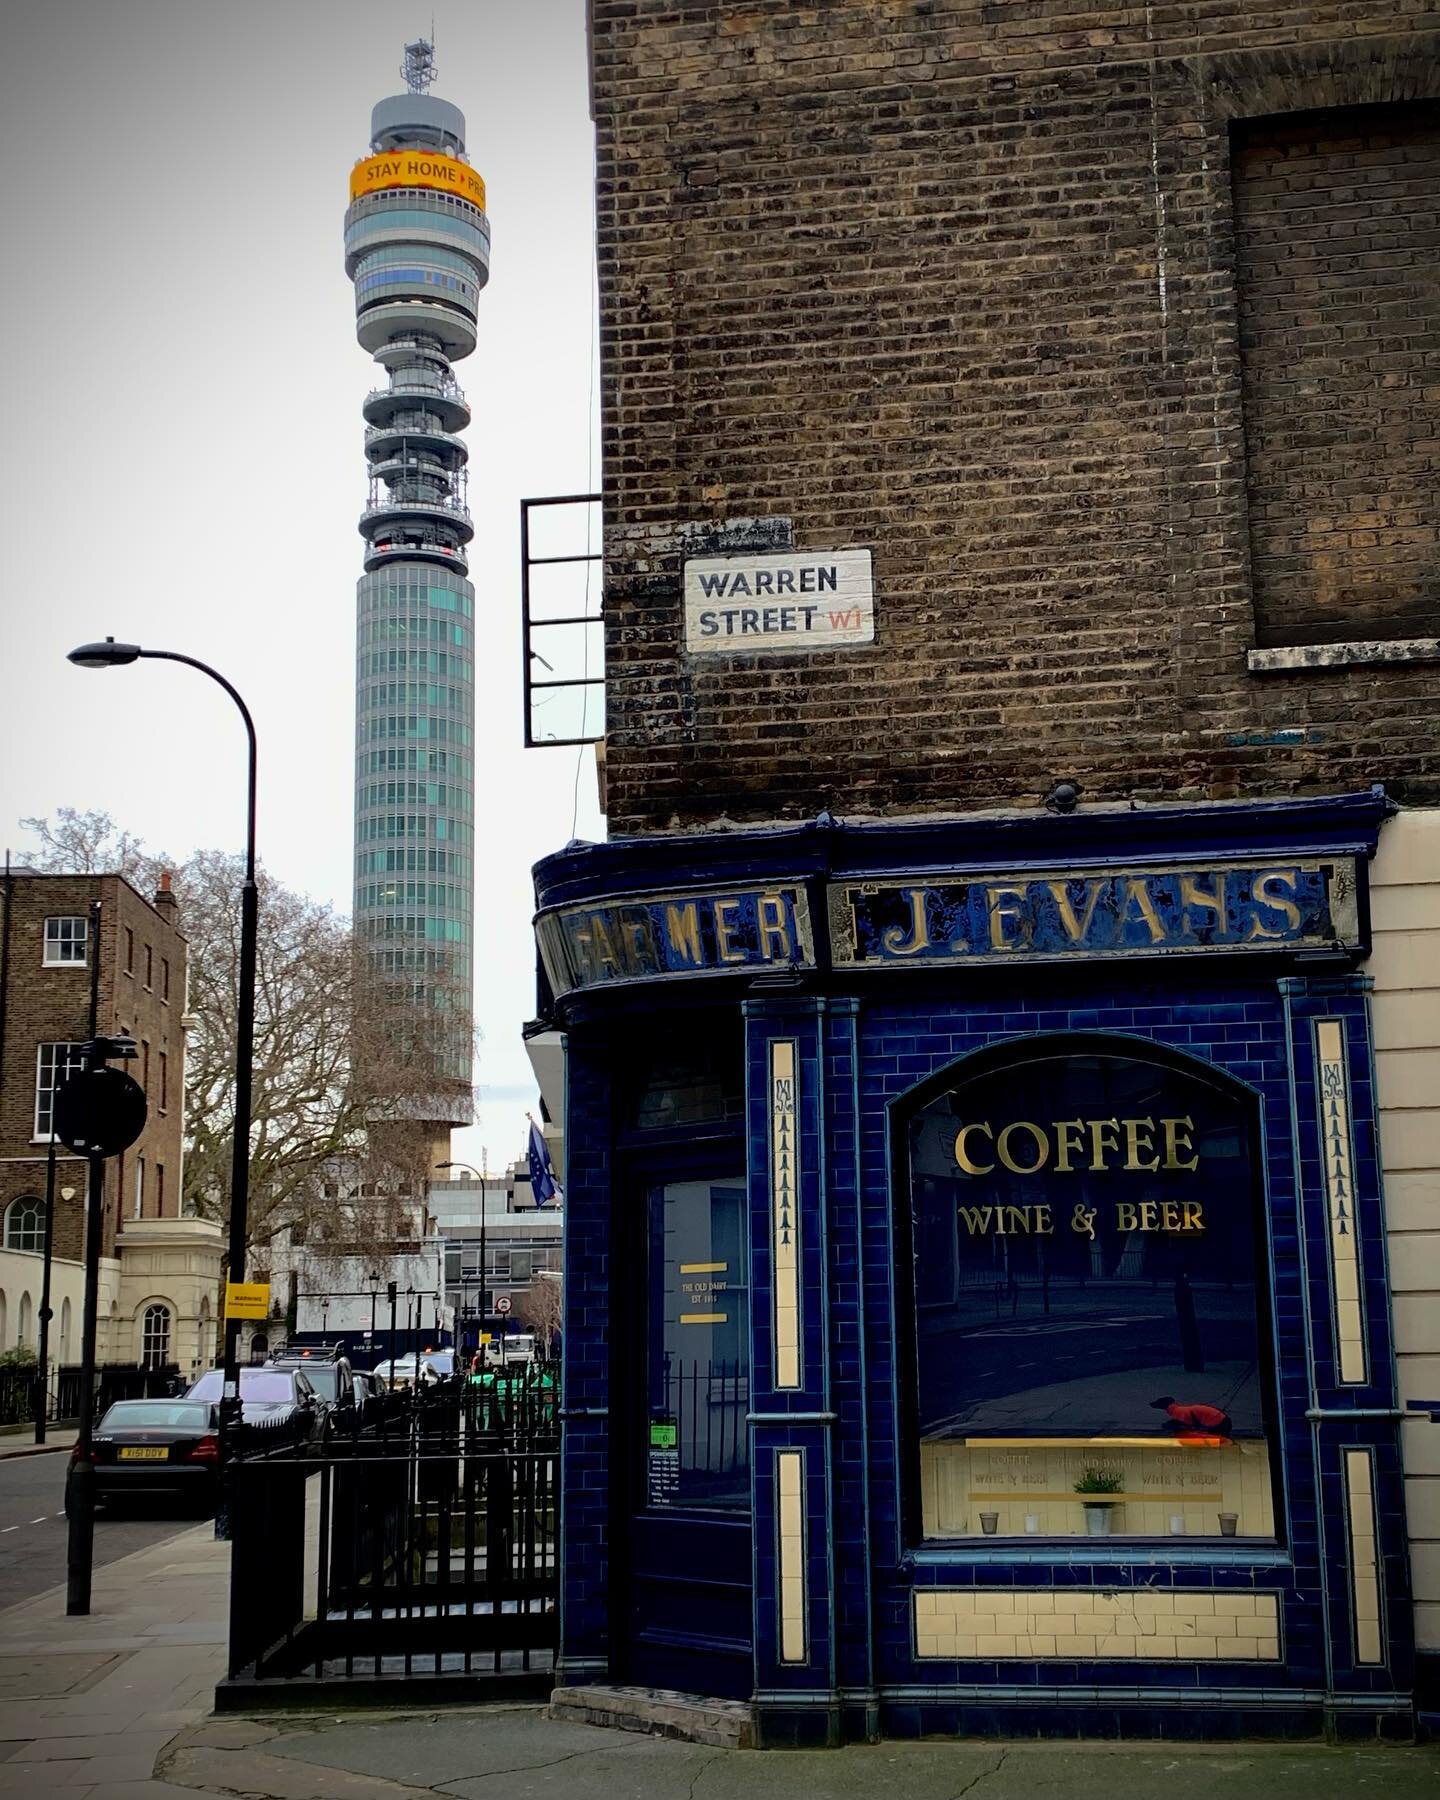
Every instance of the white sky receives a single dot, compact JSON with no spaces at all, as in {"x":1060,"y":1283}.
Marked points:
{"x":183,"y":464}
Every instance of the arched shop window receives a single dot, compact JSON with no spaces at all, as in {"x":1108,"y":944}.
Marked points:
{"x":1091,"y":1356}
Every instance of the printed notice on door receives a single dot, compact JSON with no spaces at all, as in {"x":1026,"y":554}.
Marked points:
{"x":796,"y":600}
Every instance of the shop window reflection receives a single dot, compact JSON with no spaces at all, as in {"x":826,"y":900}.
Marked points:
{"x":1091,"y":1358}
{"x":698,"y":1378}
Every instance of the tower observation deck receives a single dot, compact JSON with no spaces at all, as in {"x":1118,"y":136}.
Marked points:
{"x":417,"y":247}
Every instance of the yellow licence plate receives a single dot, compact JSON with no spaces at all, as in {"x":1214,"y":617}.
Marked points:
{"x":132,"y":1454}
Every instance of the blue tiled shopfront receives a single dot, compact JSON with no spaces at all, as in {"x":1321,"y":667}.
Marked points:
{"x":977,"y":1316}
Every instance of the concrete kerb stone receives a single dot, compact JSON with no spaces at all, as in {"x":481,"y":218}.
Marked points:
{"x":662,"y":1712}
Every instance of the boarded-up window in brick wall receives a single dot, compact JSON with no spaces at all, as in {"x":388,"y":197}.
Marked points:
{"x":1337,"y":220}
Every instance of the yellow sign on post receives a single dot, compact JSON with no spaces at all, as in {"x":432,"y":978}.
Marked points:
{"x":247,"y":1299}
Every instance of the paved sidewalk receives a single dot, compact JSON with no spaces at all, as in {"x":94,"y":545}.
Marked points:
{"x":22,"y":1443}
{"x":516,"y":1753}
{"x":87,"y":1704}
{"x":116,"y":1706}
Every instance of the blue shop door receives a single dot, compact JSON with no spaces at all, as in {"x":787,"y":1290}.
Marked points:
{"x":690,"y":1551}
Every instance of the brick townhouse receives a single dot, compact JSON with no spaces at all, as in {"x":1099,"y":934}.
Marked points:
{"x":1001,"y":1027}
{"x":159,"y":1270}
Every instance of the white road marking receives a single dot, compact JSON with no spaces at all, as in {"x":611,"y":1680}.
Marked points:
{"x":39,"y":1521}
{"x":11,"y":1527}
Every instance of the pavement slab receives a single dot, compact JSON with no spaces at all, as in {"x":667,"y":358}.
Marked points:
{"x":483,"y":1753}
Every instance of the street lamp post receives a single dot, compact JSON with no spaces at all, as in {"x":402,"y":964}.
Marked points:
{"x":480,"y":1327}
{"x":107,"y":655}
{"x":42,"y":1356}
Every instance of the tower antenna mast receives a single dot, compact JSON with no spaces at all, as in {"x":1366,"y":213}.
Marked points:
{"x":419,"y":66}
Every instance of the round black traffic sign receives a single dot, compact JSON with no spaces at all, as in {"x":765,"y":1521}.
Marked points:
{"x":100,"y":1112}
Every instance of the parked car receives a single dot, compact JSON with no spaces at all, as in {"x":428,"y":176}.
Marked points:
{"x":333,"y":1380}
{"x":442,"y":1361}
{"x":277,"y":1405}
{"x":369,"y":1395}
{"x":407,"y":1372}
{"x":157,"y":1447}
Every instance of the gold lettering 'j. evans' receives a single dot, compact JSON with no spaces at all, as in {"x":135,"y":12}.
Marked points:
{"x":917,"y":938}
{"x":1072,"y":1145}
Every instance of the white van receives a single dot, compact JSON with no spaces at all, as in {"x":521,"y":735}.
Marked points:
{"x":515,"y":1347}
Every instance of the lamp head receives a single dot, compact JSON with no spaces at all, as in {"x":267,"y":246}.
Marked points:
{"x":104,"y":655}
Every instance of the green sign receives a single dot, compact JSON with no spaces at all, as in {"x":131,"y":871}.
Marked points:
{"x":664,"y":1437}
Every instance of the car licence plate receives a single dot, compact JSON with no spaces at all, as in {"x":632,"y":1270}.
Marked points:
{"x":132,"y":1454}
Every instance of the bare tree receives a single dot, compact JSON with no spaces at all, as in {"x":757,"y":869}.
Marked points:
{"x":90,"y":843}
{"x":349,"y":1066}
{"x":541,"y":1307}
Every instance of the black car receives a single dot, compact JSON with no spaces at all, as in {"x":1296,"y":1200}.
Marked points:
{"x":334,"y":1381}
{"x":277,"y":1406}
{"x":157,"y":1446}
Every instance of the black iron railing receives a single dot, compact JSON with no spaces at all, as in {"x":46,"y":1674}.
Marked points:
{"x":426,"y":1546}
{"x":113,"y":1381}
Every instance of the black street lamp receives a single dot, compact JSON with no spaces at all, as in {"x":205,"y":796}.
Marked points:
{"x":108,"y":655}
{"x":470,"y":1169}
{"x":42,"y":1358}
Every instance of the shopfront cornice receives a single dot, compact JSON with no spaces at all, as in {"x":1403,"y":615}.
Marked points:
{"x":1278,"y":877}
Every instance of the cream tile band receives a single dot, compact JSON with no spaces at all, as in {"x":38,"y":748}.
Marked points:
{"x":1153,"y":1625}
{"x":790,"y":1513}
{"x":1364,"y":1556}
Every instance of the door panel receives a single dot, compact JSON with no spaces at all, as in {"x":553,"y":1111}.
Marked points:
{"x":690,"y":1549}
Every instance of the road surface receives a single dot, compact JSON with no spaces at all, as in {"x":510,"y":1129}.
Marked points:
{"x":33,"y":1529}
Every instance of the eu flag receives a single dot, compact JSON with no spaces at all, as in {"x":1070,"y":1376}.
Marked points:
{"x":542,"y":1176}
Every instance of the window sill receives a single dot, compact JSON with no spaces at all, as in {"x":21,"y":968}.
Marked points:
{"x":63,"y":963}
{"x":1065,"y":1552}
{"x":1286,"y":659}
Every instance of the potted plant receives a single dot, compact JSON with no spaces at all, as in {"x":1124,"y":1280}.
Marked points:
{"x":1094,"y":1482}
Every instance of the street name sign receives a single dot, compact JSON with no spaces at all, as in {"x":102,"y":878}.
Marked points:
{"x":803,"y":600}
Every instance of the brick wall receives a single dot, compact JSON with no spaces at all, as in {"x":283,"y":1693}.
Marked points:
{"x":957,"y":281}
{"x":1337,"y":226}
{"x":50,"y":1005}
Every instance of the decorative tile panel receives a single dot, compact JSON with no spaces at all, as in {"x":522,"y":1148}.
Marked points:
{"x":1364,"y":1559}
{"x":785,"y":1212}
{"x":790,"y":1518}
{"x":1340,"y":1199}
{"x":1096,"y":1624}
